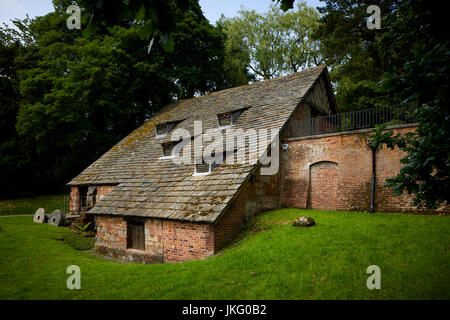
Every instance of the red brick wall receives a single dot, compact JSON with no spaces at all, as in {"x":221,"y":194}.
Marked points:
{"x":343,"y":181}
{"x":323,"y":183}
{"x":259,"y":194}
{"x":74,"y":205}
{"x":185,"y":241}
{"x":111,"y":232}
{"x":165,"y":240}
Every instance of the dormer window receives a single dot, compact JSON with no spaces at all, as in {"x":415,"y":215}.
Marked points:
{"x":205,"y":168}
{"x":225,"y":119}
{"x":163,"y":129}
{"x":168,"y":149}
{"x":228,"y":118}
{"x":202,"y":169}
{"x":236,"y":114}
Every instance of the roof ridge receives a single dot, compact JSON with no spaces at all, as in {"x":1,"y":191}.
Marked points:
{"x":322,"y":66}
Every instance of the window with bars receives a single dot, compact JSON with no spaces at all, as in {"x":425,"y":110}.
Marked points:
{"x":135,"y":235}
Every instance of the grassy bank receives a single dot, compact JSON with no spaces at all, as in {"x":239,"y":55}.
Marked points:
{"x":271,"y":260}
{"x":30,"y":205}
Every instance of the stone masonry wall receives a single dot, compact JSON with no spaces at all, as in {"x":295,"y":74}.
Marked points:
{"x":334,"y":172}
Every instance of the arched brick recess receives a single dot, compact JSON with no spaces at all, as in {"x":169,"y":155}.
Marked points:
{"x":323,"y":184}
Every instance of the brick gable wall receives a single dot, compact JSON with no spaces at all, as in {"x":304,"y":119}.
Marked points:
{"x":334,"y":172}
{"x":74,"y":204}
{"x":330,"y":172}
{"x":165,"y":240}
{"x":260,"y":193}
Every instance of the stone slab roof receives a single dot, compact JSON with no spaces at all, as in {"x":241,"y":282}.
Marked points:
{"x":148,"y":186}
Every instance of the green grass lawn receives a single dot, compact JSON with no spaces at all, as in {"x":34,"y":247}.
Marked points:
{"x":271,"y":260}
{"x":30,"y":205}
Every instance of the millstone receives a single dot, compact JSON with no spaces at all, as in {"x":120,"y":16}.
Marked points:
{"x":304,"y":222}
{"x":39,"y":216}
{"x":56,"y":218}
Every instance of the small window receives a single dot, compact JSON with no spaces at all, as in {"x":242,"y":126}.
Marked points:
{"x":236,"y":115}
{"x":202,"y":168}
{"x":167,"y":149}
{"x":225,"y":119}
{"x":161,"y":129}
{"x":164,"y":128}
{"x":205,"y":168}
{"x":228,"y":118}
{"x":135,"y":235}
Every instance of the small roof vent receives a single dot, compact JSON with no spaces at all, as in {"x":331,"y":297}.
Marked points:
{"x":202,"y":168}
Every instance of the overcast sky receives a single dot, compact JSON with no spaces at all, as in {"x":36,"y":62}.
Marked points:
{"x":10,"y":9}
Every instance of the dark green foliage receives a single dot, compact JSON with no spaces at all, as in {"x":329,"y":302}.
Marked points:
{"x":81,"y":92}
{"x":353,"y":51}
{"x":285,"y":5}
{"x":426,"y":170}
{"x":405,"y":61}
{"x":157,"y":18}
{"x":77,"y":241}
{"x":382,"y":137}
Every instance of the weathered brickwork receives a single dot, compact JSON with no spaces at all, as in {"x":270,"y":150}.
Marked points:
{"x":259,"y":194}
{"x":329,"y":172}
{"x":322,"y":185}
{"x":165,"y":240}
{"x":177,"y":241}
{"x":334,"y":172}
{"x":103,"y":191}
{"x":76,"y":198}
{"x":74,"y":205}
{"x":185,"y":241}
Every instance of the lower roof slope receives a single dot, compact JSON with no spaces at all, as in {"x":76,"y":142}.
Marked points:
{"x":151,"y":187}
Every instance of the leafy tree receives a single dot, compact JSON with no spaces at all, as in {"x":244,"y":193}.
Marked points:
{"x":404,"y":62}
{"x":353,"y":51}
{"x":417,"y":49}
{"x":274,"y":43}
{"x":156,"y":18}
{"x":426,"y":170}
{"x":76,"y":94}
